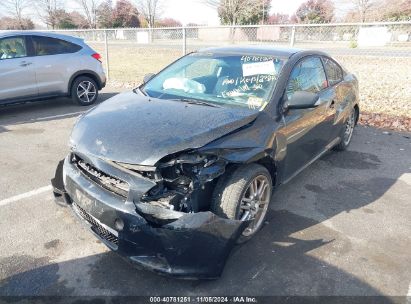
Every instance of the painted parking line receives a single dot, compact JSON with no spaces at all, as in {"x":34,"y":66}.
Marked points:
{"x":57,"y":116}
{"x":25,"y":195}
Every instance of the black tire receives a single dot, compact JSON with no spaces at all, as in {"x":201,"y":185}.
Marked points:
{"x":345,"y":142}
{"x":77,"y":88}
{"x":230,"y":190}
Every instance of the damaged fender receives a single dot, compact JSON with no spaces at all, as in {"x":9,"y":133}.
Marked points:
{"x":186,"y":245}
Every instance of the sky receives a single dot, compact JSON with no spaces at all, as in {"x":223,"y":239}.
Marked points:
{"x":195,"y":11}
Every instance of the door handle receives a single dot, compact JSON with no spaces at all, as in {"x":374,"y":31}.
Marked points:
{"x":332,"y":104}
{"x":25,"y":63}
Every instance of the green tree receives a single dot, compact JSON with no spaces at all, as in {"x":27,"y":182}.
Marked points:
{"x":62,"y":20}
{"x":66,"y":23}
{"x":70,"y":20}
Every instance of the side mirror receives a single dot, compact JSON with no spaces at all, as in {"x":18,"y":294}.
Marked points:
{"x":148,"y":77}
{"x":302,"y":100}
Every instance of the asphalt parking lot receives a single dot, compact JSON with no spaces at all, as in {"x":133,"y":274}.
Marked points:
{"x":341,"y":227}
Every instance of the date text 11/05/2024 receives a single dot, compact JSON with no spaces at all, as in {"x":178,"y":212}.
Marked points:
{"x":204,"y":299}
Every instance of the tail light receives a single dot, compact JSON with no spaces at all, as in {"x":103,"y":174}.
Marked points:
{"x":96,"y":56}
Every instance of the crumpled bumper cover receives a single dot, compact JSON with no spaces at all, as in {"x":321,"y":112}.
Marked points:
{"x":194,"y":246}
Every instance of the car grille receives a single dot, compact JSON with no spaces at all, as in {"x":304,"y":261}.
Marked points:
{"x":111,"y":183}
{"x":96,"y":226}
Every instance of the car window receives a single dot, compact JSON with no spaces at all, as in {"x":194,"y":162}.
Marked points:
{"x":308,"y":75}
{"x":201,"y":68}
{"x":13,"y":47}
{"x":52,"y":46}
{"x":334,"y":72}
{"x":224,"y":79}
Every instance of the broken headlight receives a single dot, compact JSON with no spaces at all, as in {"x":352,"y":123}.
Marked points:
{"x":180,"y":176}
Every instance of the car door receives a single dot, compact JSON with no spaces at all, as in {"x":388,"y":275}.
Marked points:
{"x":339,"y":90}
{"x":17,"y":77}
{"x":53,"y":63}
{"x":306,"y":130}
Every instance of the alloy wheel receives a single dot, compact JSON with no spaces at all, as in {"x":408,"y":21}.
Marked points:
{"x":86,"y":91}
{"x":254,"y":203}
{"x":349,"y":128}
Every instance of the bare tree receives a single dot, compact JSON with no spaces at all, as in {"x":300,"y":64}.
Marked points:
{"x":125,"y":14}
{"x":235,"y":12}
{"x":361,"y":9}
{"x":396,"y":10}
{"x":89,"y":8}
{"x":105,"y":14}
{"x":278,"y":18}
{"x":315,"y":11}
{"x":150,"y":10}
{"x":15,"y":9}
{"x":8,"y":23}
{"x":48,"y":11}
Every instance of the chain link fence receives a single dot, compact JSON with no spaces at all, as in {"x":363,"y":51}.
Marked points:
{"x":378,"y":53}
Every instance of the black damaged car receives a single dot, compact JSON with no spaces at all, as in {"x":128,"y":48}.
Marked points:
{"x":173,"y":174}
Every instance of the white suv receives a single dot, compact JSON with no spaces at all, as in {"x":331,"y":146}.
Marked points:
{"x":37,"y":65}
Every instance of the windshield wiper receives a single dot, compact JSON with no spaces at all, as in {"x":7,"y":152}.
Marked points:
{"x":139,"y":90}
{"x":197,"y":102}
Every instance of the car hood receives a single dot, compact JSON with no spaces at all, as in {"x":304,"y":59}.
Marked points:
{"x":136,"y":129}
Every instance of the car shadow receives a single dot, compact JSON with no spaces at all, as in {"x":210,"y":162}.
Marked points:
{"x":44,"y":110}
{"x":258,"y":268}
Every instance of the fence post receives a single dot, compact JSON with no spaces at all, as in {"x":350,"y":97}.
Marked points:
{"x":292,"y":38}
{"x":184,"y":41}
{"x":106,"y":55}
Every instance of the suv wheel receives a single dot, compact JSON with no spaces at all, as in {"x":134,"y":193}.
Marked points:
{"x":347,"y":131}
{"x":84,"y":91}
{"x":244,"y":195}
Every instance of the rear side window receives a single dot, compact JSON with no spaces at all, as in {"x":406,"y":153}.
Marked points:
{"x":12,"y":47}
{"x":333,"y":70}
{"x":308,"y":75}
{"x":52,"y":46}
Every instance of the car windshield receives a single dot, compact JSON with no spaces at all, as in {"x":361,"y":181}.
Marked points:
{"x":218,"y":79}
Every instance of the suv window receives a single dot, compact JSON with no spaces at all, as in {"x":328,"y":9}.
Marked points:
{"x":12,"y":47}
{"x":52,"y":46}
{"x":308,"y":75}
{"x":333,"y":70}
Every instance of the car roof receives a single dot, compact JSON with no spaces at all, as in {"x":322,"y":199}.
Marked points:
{"x":38,"y":33}
{"x":270,"y":50}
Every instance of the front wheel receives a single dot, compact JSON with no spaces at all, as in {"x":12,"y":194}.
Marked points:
{"x":84,"y":91}
{"x":348,"y":131}
{"x":244,"y":195}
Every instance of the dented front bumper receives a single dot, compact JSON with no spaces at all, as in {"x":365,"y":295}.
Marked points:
{"x":196,"y":245}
